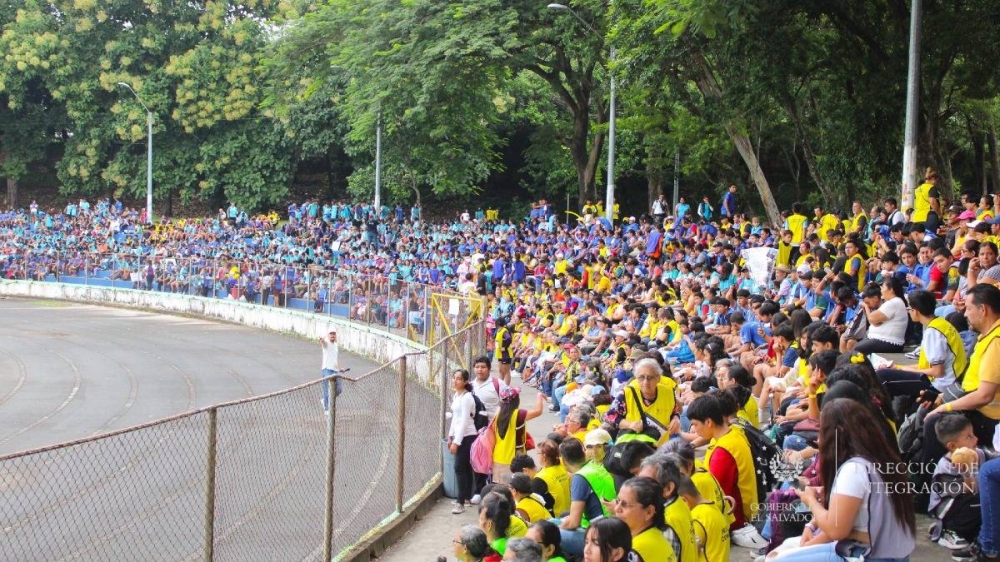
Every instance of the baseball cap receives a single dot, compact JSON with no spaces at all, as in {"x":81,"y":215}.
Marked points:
{"x":597,"y":437}
{"x":967,"y":216}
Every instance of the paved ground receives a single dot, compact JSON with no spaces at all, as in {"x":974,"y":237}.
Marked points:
{"x":70,"y":371}
{"x":432,"y":536}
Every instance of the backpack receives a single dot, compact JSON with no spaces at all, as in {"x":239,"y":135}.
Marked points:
{"x":479,"y":418}
{"x":911,"y":435}
{"x":481,"y":454}
{"x":765,"y":454}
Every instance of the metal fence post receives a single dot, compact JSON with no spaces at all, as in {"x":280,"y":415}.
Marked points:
{"x":331,"y":465}
{"x":401,"y":431}
{"x":445,"y":372}
{"x":428,"y":319}
{"x":210,"y":486}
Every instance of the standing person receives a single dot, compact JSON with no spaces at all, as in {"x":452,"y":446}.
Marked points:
{"x":728,"y":206}
{"x":926,"y":202}
{"x":331,"y":366}
{"x":501,"y":349}
{"x":487,"y":388}
{"x":461,"y":435}
{"x":510,"y":429}
{"x":682,"y":209}
{"x":705,"y":210}
{"x":660,"y":209}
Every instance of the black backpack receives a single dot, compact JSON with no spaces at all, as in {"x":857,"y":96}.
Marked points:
{"x":766,"y":456}
{"x":479,"y":418}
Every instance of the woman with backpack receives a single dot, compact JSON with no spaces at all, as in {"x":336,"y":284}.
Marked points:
{"x":461,"y":435}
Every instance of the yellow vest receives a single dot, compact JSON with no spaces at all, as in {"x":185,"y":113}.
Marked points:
{"x":660,"y":410}
{"x":954,"y":344}
{"x":735,"y":442}
{"x":712,"y":531}
{"x":856,"y":223}
{"x":861,"y":269}
{"x":750,"y":413}
{"x":971,"y":380}
{"x":710,"y":490}
{"x":678,"y":516}
{"x":503,"y":451}
{"x":557,"y":479}
{"x":784,"y":253}
{"x":797,"y":224}
{"x":652,"y":546}
{"x":921,"y":202}
{"x":533,"y":509}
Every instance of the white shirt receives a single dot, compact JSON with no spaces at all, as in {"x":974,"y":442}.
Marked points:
{"x":893,"y":330}
{"x":852,"y":480}
{"x":936,"y":350}
{"x":331,"y":355}
{"x":488,"y":395}
{"x":463,"y":408}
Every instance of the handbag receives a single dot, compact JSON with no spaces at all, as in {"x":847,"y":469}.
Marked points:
{"x":648,"y":430}
{"x":481,"y":453}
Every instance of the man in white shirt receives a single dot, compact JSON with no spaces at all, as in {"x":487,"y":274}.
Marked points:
{"x":331,"y":366}
{"x":487,"y":388}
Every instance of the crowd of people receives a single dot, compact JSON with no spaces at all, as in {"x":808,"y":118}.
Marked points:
{"x":697,"y":405}
{"x":809,"y":415}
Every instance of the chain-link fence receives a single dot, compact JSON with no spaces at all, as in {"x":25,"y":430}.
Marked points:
{"x":266,"y":478}
{"x":409,"y":309}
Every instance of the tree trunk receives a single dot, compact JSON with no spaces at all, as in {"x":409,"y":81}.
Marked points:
{"x":13,"y":186}
{"x":807,"y":152}
{"x":584,"y":160}
{"x":168,"y":210}
{"x":991,"y":140}
{"x":654,"y":181}
{"x":709,"y":87}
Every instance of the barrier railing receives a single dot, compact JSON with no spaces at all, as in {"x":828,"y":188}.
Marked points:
{"x":264,"y":478}
{"x":385,"y":300}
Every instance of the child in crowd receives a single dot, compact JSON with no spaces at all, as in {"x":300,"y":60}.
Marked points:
{"x":954,"y":499}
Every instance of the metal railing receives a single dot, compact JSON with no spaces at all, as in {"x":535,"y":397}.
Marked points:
{"x":269,"y":477}
{"x":386,"y":301}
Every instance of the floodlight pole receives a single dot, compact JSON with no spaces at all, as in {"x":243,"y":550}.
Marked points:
{"x":149,"y":153}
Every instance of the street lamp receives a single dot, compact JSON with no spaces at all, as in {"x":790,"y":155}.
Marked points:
{"x":609,"y":202}
{"x":149,"y":153}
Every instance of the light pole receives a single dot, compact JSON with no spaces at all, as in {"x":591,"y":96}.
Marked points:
{"x":149,"y":153}
{"x":912,"y":109}
{"x":378,"y":167}
{"x":609,"y":199}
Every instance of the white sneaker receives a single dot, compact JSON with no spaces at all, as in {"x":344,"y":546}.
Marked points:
{"x":476,"y":499}
{"x":457,"y":509}
{"x":748,"y":537}
{"x":951,"y":541}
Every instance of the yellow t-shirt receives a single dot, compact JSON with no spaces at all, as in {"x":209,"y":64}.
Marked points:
{"x":652,"y":546}
{"x":557,"y":479}
{"x":518,"y":528}
{"x":711,"y":531}
{"x":797,"y":224}
{"x":749,"y":412}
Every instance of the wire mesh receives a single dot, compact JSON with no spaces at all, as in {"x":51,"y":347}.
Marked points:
{"x":144,"y":494}
{"x":271,"y":476}
{"x":136,"y":495}
{"x":422,"y":458}
{"x":367,"y":445}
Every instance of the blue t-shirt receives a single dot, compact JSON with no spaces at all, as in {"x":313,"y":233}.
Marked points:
{"x":790,"y":357}
{"x":750,"y":333}
{"x":580,"y":491}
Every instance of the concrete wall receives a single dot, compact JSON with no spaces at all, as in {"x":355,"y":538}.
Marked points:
{"x":378,"y":345}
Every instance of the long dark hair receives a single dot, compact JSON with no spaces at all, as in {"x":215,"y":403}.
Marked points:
{"x":550,"y":537}
{"x":465,"y":377}
{"x":507,"y":409}
{"x":612,"y":533}
{"x":847,"y":430}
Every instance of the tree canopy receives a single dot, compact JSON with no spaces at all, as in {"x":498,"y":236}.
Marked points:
{"x":255,"y":99}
